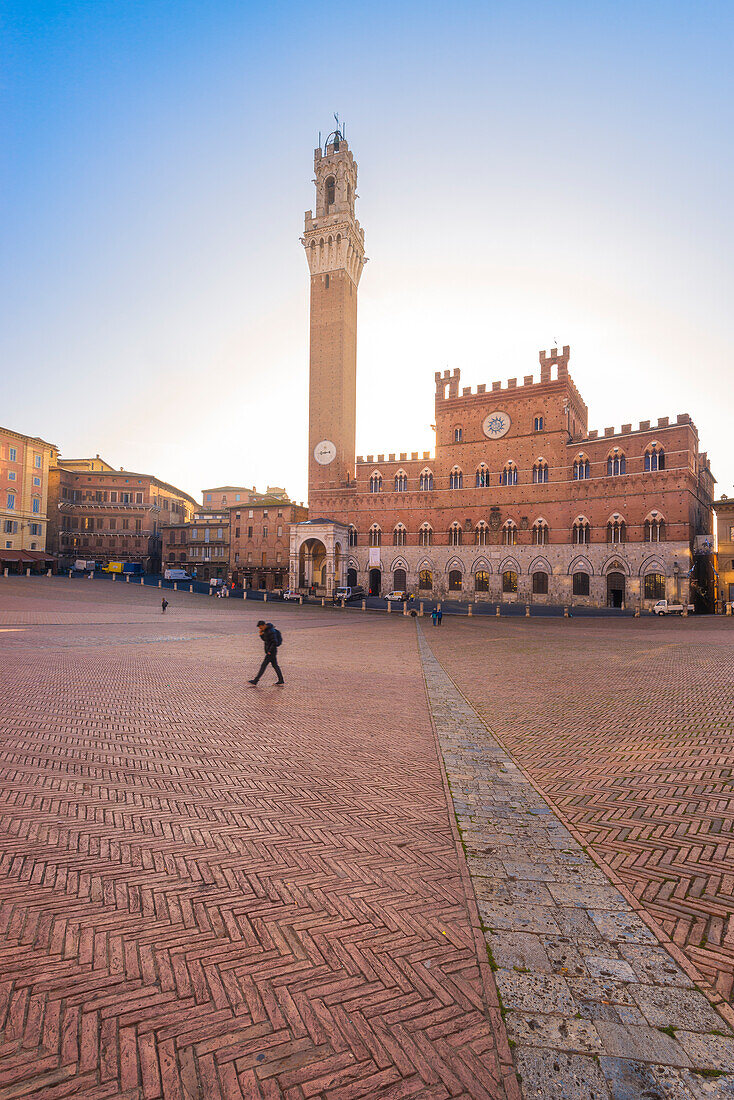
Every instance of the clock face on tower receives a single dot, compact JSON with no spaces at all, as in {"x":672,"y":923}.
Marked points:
{"x":496,"y":424}
{"x":324,"y":452}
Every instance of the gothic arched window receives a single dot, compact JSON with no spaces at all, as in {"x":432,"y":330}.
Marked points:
{"x":616,"y":531}
{"x":352,"y":535}
{"x":455,"y":534}
{"x":456,"y":479}
{"x":481,"y":533}
{"x":509,"y":533}
{"x":540,"y":533}
{"x":616,"y":464}
{"x":540,"y":472}
{"x":425,"y":534}
{"x":581,"y":532}
{"x":426,"y":481}
{"x":376,"y":483}
{"x":581,"y":469}
{"x":509,"y":474}
{"x":654,"y":458}
{"x":375,"y":535}
{"x":401,"y":481}
{"x":482,"y":477}
{"x":330,"y":191}
{"x":398,"y":535}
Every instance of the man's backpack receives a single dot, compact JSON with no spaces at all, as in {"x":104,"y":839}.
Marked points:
{"x":278,"y":636}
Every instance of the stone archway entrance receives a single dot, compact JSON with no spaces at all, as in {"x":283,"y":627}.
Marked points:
{"x":375,"y":581}
{"x":312,"y":564}
{"x":317,"y":559}
{"x":352,"y":578}
{"x":615,"y":589}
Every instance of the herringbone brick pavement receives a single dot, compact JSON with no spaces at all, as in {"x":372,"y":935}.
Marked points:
{"x":628,"y":727}
{"x":213,"y":891}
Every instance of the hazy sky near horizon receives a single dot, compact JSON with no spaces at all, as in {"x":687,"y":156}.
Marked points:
{"x":529,"y":173}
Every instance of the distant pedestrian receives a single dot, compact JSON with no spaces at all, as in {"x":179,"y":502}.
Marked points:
{"x":434,"y":616}
{"x":164,"y":605}
{"x":439,"y":615}
{"x":272,"y":638}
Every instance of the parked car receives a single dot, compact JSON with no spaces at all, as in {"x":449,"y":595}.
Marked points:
{"x":291,"y":594}
{"x":396,"y":597}
{"x":177,"y":575}
{"x":349,"y":592}
{"x":81,"y":566}
{"x":215,"y":582}
{"x":662,"y":607}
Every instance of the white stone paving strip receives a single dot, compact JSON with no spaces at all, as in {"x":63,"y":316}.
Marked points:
{"x":595,"y":1008}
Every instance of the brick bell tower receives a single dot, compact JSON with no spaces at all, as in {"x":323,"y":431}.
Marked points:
{"x":334,"y":244}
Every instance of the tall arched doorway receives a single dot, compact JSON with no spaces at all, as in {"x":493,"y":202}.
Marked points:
{"x":375,"y":582}
{"x":312,"y":564}
{"x":352,"y":578}
{"x":615,"y":589}
{"x":400,"y":580}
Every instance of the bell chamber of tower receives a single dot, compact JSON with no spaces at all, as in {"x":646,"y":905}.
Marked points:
{"x":334,"y":244}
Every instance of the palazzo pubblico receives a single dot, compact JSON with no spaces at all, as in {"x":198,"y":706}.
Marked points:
{"x":520,"y":501}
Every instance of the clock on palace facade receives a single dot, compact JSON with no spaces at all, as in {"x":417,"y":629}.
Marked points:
{"x":496,"y":424}
{"x":324,"y":452}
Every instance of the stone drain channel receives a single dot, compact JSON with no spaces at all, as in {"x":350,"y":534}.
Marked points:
{"x":595,"y":1008}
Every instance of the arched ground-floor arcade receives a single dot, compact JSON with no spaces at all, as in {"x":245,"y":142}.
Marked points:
{"x":598,"y":575}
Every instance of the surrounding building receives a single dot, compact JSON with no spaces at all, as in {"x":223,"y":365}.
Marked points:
{"x":225,"y":496}
{"x":725,"y":552}
{"x":25,"y":462}
{"x":260,"y":541}
{"x":97,"y":512}
{"x":201,"y":545}
{"x":520,"y":501}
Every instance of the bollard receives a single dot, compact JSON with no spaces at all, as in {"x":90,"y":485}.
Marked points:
{"x":127,"y":578}
{"x":497,"y":612}
{"x":389,"y":607}
{"x":300,"y":600}
{"x":265,"y":597}
{"x":48,"y":572}
{"x":685,"y":612}
{"x":90,"y":576}
{"x":637,"y":613}
{"x":565,"y":612}
{"x":114,"y":576}
{"x":27,"y":572}
{"x":343,"y":603}
{"x":364,"y":604}
{"x":191,"y":587}
{"x":244,"y":595}
{"x":142,"y":580}
{"x":323,"y":602}
{"x":160,"y":584}
{"x":470,"y":610}
{"x":175,"y":586}
{"x":6,"y":571}
{"x":420,"y":608}
{"x":527,"y":610}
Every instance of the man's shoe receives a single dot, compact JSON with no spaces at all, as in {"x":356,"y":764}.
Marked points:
{"x":253,"y":682}
{"x":279,"y":683}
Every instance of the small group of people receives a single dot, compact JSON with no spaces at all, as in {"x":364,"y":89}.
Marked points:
{"x":436,"y":616}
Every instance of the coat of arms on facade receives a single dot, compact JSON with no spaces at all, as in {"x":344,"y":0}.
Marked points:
{"x":494,"y":518}
{"x":524,"y":523}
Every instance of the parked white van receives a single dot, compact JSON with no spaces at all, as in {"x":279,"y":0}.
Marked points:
{"x":177,"y":575}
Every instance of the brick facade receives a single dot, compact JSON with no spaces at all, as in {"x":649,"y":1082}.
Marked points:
{"x":259,"y":543}
{"x":102,"y":514}
{"x":200,"y":546}
{"x":520,"y":501}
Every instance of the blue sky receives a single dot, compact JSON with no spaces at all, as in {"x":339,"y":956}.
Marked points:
{"x":529,"y":172}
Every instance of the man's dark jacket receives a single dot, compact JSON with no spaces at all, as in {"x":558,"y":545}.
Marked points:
{"x":268,"y":637}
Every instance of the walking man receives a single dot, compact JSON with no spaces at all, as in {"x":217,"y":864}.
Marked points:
{"x":439,"y":615}
{"x":164,"y":605}
{"x":272,"y":638}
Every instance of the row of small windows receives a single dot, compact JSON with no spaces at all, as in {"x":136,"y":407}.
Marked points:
{"x":616,"y":465}
{"x":616,"y":531}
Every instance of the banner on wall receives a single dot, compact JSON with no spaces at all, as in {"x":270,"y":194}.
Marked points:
{"x":374,"y":556}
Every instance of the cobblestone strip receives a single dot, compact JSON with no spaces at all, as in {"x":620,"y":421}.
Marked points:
{"x":595,"y":1008}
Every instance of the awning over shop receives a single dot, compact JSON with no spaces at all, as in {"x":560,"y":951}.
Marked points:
{"x":27,"y":557}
